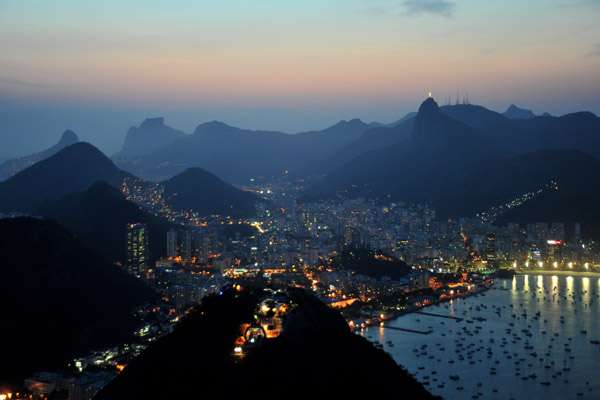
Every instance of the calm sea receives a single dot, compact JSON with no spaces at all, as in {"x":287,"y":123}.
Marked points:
{"x":526,"y":338}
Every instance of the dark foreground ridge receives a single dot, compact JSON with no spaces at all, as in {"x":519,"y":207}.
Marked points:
{"x":99,"y":217}
{"x":315,"y":356}
{"x":58,"y":299}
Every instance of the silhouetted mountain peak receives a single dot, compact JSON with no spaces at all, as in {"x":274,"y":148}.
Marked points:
{"x":514,"y":112}
{"x":195,"y":173}
{"x":429,"y":107}
{"x":11,"y":167}
{"x":104,"y":191}
{"x":355,"y":121}
{"x":153,"y":122}
{"x":213,"y":127}
{"x":68,"y":138}
{"x":214,"y":124}
{"x":72,"y":169}
{"x":152,"y":135}
{"x":199,"y":190}
{"x":83,"y":150}
{"x":430,"y":122}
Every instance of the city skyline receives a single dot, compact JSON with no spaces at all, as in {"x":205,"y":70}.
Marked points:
{"x":99,"y":69}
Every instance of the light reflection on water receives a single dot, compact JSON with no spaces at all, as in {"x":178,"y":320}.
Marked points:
{"x":554,"y":320}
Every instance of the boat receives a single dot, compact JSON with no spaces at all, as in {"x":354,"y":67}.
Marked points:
{"x":454,"y":377}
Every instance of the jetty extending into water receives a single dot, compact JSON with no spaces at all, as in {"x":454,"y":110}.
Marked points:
{"x":409,"y":330}
{"x":458,"y":319}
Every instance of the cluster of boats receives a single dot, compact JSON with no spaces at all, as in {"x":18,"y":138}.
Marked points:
{"x":531,"y":346}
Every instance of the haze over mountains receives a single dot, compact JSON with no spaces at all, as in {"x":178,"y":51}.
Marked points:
{"x":464,"y":170}
{"x":237,"y":155}
{"x":461,"y":158}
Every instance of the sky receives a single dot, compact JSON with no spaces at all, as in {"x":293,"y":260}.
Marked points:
{"x":99,"y":67}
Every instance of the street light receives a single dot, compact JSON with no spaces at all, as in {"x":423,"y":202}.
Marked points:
{"x":555,"y":264}
{"x":570,"y":265}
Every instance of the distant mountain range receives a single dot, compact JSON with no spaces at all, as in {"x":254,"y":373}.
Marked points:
{"x":465,"y":159}
{"x":455,"y":157}
{"x":58,"y":299}
{"x":11,"y":167}
{"x":238,"y":155}
{"x":410,"y":115}
{"x":157,"y":152}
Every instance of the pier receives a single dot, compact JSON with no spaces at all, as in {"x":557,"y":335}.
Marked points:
{"x":457,"y":319}
{"x":408,"y":330}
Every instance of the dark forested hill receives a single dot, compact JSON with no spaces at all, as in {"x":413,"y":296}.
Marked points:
{"x":11,"y":167}
{"x":58,"y":299}
{"x":316,"y":356}
{"x":199,"y":190}
{"x":73,"y":169}
{"x":99,"y":217}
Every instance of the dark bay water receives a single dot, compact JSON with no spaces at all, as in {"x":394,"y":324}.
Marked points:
{"x":526,"y":338}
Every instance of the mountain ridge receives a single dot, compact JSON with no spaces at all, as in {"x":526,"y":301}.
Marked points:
{"x":99,"y":216}
{"x":72,"y":169}
{"x":205,"y":193}
{"x":13,"y":166}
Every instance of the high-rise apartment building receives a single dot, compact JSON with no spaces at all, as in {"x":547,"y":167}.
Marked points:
{"x":172,"y":244}
{"x":137,"y":250}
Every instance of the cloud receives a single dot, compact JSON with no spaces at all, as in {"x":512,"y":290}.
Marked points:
{"x":434,"y":7}
{"x":596,"y":52}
